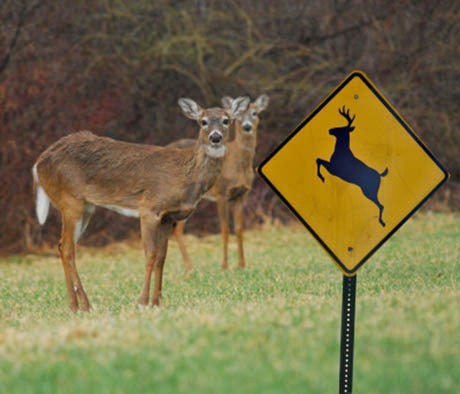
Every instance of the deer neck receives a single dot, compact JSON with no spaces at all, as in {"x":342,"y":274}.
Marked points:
{"x":246,"y":142}
{"x":343,"y":143}
{"x":205,"y":167}
{"x":240,"y":155}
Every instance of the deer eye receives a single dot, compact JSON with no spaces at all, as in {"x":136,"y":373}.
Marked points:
{"x":204,"y":122}
{"x":254,"y":113}
{"x":225,"y":121}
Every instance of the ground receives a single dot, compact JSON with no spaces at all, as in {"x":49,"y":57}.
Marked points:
{"x":272,"y":328}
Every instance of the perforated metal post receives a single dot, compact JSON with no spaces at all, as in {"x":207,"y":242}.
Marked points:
{"x":347,"y":334}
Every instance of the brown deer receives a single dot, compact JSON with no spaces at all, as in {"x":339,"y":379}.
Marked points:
{"x":160,"y":185}
{"x":235,"y":180}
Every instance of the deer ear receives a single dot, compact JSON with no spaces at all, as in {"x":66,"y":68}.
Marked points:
{"x":227,"y":102}
{"x":262,"y":102}
{"x":239,"y":105}
{"x":190,"y":109}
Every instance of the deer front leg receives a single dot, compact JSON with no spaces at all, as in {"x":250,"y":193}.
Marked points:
{"x":320,"y":162}
{"x":155,"y":234}
{"x":149,"y":223}
{"x":238,"y":219}
{"x":161,"y":246}
{"x":179,"y":235}
{"x":144,"y":297}
{"x":222,"y":208}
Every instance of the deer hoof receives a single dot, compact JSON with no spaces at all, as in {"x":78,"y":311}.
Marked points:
{"x":85,"y":308}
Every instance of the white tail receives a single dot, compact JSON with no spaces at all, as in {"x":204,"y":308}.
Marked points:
{"x":42,"y":202}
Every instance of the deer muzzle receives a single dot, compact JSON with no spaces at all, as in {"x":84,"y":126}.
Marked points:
{"x":215,"y":137}
{"x":247,"y":127}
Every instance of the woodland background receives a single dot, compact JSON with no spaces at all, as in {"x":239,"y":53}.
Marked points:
{"x":117,"y":67}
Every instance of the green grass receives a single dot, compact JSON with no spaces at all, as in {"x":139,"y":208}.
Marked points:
{"x":272,"y":328}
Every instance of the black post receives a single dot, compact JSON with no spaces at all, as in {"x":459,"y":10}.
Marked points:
{"x":347,"y":334}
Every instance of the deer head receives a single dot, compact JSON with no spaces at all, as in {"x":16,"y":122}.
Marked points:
{"x":337,"y":131}
{"x":214,"y":122}
{"x":248,"y":121}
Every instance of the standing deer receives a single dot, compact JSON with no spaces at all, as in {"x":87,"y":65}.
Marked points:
{"x":235,"y":180}
{"x":160,"y":185}
{"x":346,"y":166}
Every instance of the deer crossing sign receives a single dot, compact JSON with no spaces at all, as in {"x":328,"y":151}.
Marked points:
{"x":353,"y":172}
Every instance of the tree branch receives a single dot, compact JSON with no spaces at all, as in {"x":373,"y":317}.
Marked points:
{"x":21,"y":20}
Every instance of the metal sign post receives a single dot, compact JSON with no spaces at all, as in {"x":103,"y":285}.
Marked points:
{"x":347,"y":334}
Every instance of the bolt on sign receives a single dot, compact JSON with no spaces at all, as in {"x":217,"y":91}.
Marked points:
{"x":353,"y":172}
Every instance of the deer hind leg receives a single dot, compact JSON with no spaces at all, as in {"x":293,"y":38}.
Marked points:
{"x":179,"y":235}
{"x":66,"y":253}
{"x":380,"y":213}
{"x":371,"y":194}
{"x":222,"y":208}
{"x":380,"y":207}
{"x":71,"y":221}
{"x":238,"y":219}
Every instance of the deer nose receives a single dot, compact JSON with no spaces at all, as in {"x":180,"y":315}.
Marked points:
{"x":215,"y":137}
{"x":247,"y":127}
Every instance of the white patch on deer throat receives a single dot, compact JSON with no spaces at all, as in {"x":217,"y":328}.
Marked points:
{"x":216,"y":151}
{"x":122,"y":211}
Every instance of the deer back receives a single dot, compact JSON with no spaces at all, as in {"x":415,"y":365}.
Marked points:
{"x":104,"y":171}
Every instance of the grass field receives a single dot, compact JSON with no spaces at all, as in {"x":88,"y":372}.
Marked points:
{"x":272,"y":328}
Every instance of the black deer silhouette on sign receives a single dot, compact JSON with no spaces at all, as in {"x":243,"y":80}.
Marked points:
{"x":346,"y":166}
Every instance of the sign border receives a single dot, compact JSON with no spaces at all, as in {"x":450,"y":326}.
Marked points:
{"x":392,"y":110}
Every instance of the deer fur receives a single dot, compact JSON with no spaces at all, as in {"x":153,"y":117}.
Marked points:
{"x":160,"y":185}
{"x":235,"y":180}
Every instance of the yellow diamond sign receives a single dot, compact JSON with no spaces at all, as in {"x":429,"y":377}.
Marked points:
{"x":353,"y":172}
